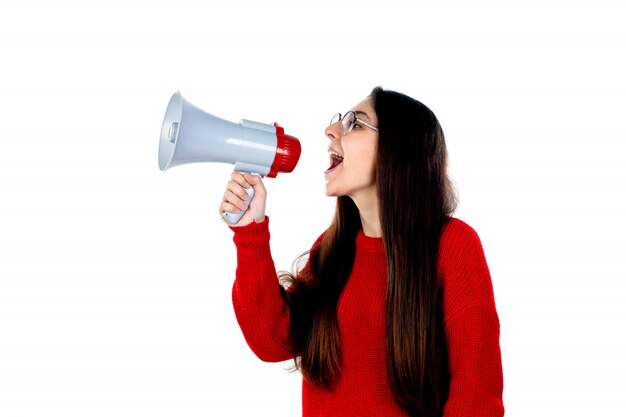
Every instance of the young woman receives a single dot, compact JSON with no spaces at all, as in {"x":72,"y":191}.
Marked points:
{"x":393,"y":313}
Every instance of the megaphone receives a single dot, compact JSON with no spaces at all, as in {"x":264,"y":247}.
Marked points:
{"x":189,"y":135}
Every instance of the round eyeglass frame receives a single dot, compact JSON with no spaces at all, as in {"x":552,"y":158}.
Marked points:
{"x":348,"y":120}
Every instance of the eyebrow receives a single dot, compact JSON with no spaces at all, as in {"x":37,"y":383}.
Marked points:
{"x":359,"y":112}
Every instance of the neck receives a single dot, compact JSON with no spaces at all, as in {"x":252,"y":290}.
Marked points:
{"x":368,"y":211}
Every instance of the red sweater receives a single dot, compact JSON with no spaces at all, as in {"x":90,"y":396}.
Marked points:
{"x":471,"y":324}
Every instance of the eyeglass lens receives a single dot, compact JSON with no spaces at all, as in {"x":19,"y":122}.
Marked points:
{"x":347,"y":121}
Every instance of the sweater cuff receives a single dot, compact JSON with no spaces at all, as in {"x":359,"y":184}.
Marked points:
{"x":251,"y":234}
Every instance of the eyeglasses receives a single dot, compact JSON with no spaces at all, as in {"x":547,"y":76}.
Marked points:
{"x":348,"y":120}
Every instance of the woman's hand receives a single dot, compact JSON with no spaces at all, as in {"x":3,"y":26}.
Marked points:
{"x":235,"y":197}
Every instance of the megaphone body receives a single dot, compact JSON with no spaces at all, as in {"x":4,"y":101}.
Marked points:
{"x":190,"y":135}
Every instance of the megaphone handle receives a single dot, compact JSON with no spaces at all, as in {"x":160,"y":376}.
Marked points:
{"x":233,"y":218}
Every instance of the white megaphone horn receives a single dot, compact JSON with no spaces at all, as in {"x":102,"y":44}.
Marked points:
{"x":189,"y":135}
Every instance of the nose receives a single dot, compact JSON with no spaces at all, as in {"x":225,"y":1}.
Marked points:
{"x":333,"y":132}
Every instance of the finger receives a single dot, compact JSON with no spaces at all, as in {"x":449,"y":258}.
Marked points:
{"x":251,"y":179}
{"x":239,"y":178}
{"x":255,"y":181}
{"x":237,"y":189}
{"x":226,"y":207}
{"x":236,"y":200}
{"x":260,"y":194}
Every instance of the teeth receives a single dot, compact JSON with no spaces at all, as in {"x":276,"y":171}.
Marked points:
{"x":336,"y":156}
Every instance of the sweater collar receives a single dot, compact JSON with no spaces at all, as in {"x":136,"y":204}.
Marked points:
{"x":369,"y":243}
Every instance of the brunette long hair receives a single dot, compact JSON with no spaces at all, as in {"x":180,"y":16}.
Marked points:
{"x":415,"y":199}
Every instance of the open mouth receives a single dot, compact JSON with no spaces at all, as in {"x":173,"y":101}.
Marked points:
{"x":335,"y":160}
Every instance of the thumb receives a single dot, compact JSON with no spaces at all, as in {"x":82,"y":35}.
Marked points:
{"x":256,"y":182}
{"x":252,"y":179}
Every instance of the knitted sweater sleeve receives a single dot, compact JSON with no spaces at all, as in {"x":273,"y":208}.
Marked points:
{"x":260,"y":308}
{"x":472,"y":326}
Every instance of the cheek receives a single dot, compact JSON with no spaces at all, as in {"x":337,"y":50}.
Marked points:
{"x":367,"y":159}
{"x":361,"y":158}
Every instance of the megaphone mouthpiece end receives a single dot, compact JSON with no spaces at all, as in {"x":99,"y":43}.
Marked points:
{"x":288,"y":152}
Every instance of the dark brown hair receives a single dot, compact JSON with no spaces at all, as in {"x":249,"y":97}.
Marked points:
{"x":411,"y":156}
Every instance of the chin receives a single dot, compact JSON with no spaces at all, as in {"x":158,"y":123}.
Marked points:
{"x":329,"y":189}
{"x":333,"y":191}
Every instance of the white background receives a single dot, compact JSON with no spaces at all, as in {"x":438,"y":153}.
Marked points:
{"x":115,"y":278}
